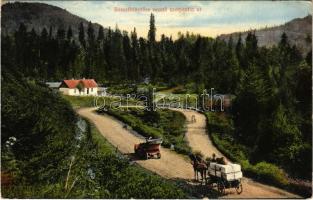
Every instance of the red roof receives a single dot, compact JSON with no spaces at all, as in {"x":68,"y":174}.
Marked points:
{"x":71,"y":83}
{"x":87,"y":83}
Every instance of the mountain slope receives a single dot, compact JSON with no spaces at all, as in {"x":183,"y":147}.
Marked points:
{"x":39,"y":16}
{"x":299,"y":32}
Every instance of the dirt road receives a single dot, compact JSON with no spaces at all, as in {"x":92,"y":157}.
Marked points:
{"x":173,"y":165}
{"x":197,"y":136}
{"x":198,"y":140}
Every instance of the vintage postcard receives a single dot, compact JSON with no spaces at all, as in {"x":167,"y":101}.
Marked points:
{"x":156,"y":99}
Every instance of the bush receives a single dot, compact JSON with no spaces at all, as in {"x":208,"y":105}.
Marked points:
{"x":269,"y":173}
{"x":136,"y":124}
{"x":121,"y":89}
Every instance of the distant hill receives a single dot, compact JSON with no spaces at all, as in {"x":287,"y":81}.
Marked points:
{"x":299,"y":32}
{"x":38,"y":16}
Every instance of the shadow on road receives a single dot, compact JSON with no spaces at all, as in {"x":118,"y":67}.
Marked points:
{"x":196,"y":189}
{"x":134,"y":157}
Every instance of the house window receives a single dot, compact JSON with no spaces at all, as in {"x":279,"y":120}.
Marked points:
{"x":91,"y":89}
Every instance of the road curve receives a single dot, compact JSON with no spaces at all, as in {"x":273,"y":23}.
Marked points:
{"x":173,"y":165}
{"x":199,"y":140}
{"x":197,"y":136}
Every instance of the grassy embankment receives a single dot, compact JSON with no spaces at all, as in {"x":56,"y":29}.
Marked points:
{"x":221,"y":132}
{"x":90,"y":101}
{"x":166,"y":124}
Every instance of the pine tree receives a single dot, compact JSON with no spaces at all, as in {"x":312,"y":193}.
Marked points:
{"x":116,"y":56}
{"x":61,"y":34}
{"x":135,"y":71}
{"x":91,"y":52}
{"x":152,"y":29}
{"x":21,"y":47}
{"x":239,"y":50}
{"x":251,"y":50}
{"x":69,"y":34}
{"x":90,"y":34}
{"x":308,"y":58}
{"x":81,"y":34}
{"x":43,"y":53}
{"x":128,"y":54}
{"x":8,"y":50}
{"x":50,"y":32}
{"x":145,"y":65}
{"x":252,"y":99}
{"x":44,"y":34}
{"x":100,"y":34}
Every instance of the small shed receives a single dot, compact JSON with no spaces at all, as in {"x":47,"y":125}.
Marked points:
{"x":54,"y":85}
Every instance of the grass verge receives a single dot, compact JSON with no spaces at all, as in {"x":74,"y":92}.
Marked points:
{"x":166,"y":124}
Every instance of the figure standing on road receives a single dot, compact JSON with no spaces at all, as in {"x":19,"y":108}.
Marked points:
{"x":213,"y":157}
{"x":193,"y":119}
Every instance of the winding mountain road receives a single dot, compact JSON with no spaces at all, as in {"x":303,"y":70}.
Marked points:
{"x":173,"y":165}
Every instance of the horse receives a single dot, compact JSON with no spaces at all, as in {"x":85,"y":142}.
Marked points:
{"x":199,"y":166}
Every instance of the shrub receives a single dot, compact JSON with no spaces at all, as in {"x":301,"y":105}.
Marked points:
{"x":269,"y":173}
{"x":166,"y":124}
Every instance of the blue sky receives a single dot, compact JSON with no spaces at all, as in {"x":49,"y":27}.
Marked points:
{"x":214,"y":18}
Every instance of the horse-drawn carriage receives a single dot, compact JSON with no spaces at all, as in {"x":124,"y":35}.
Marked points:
{"x":217,"y":173}
{"x":148,"y":149}
{"x":225,"y":176}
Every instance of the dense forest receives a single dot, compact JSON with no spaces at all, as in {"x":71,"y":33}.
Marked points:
{"x":272,"y":86}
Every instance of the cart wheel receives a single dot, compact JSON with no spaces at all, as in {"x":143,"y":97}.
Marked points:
{"x":159,"y":155}
{"x":239,"y":188}
{"x":221,"y":187}
{"x":209,"y":183}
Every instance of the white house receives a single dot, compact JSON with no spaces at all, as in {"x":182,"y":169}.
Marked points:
{"x":81,"y":87}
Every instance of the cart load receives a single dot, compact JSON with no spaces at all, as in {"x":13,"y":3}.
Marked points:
{"x":228,"y":172}
{"x":154,"y":141}
{"x":225,"y":176}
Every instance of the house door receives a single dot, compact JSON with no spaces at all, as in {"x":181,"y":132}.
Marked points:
{"x":87,"y":90}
